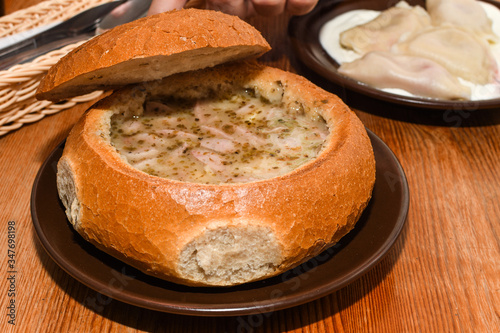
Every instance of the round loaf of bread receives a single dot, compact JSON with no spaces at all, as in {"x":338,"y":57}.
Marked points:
{"x":203,"y":230}
{"x":216,"y":234}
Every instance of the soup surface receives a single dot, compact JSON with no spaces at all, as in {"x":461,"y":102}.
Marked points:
{"x":237,"y":139}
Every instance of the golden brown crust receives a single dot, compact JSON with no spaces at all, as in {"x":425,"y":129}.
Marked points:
{"x":146,"y":221}
{"x":150,"y":49}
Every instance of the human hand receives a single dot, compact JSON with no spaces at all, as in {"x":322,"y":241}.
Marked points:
{"x":241,"y":8}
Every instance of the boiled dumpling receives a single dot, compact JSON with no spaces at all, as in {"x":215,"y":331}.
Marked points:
{"x":459,"y":51}
{"x":390,"y":27}
{"x":468,"y":14}
{"x":418,"y":76}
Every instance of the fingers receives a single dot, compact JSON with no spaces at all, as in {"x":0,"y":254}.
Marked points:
{"x":241,"y":8}
{"x":300,"y":7}
{"x":276,"y":7}
{"x":121,"y":9}
{"x":269,"y":7}
{"x":159,"y":6}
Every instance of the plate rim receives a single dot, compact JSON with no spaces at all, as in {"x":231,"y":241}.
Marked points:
{"x":300,"y":26}
{"x":245,"y":308}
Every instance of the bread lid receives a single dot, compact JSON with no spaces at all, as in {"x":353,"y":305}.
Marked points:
{"x":152,"y":48}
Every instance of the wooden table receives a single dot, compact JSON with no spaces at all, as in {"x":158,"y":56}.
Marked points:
{"x":442,"y":275}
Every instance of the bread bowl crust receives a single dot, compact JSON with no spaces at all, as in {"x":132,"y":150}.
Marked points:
{"x":152,"y":48}
{"x":146,"y":221}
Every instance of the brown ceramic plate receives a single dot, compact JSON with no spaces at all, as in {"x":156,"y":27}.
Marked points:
{"x":304,"y":34}
{"x":360,"y":250}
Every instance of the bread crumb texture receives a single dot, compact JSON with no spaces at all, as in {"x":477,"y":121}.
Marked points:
{"x":230,"y":255}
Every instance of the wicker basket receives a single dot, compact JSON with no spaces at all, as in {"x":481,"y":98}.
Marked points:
{"x":18,"y":84}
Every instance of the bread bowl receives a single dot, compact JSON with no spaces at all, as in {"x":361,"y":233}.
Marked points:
{"x":209,"y":231}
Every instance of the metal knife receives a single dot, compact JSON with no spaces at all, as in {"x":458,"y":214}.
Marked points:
{"x":80,"y":27}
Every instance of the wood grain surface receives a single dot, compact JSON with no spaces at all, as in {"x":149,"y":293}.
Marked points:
{"x":442,"y":275}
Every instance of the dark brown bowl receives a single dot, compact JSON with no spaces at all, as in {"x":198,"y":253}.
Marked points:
{"x":356,"y":253}
{"x":304,"y":34}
